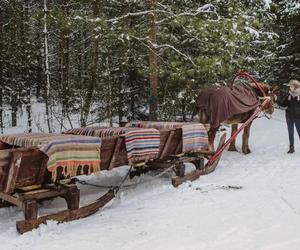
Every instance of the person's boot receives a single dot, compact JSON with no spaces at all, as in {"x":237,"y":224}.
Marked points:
{"x":291,"y":150}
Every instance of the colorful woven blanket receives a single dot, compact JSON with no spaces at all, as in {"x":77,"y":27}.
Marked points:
{"x":194,"y":135}
{"x":89,"y":131}
{"x":142,"y":144}
{"x":67,"y":151}
{"x":98,"y":131}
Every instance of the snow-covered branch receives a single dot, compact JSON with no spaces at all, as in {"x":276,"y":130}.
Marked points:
{"x":168,"y":46}
{"x":205,"y":9}
{"x":135,"y":14}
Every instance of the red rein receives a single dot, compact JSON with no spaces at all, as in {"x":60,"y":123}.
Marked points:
{"x":247,"y":75}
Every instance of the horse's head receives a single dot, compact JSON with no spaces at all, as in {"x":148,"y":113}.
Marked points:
{"x":269,"y":94}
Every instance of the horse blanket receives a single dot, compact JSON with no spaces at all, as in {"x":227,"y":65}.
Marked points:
{"x":142,"y":144}
{"x":67,"y":151}
{"x":221,"y":102}
{"x":194,"y":135}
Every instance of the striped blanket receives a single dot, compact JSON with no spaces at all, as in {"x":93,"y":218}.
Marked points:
{"x":67,"y":151}
{"x":89,"y":131}
{"x":194,"y":135}
{"x":142,"y":144}
{"x":97,"y":131}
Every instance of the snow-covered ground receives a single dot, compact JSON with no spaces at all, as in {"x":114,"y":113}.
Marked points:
{"x":206,"y":214}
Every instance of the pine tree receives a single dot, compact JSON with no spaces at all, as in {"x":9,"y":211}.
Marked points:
{"x":287,"y":65}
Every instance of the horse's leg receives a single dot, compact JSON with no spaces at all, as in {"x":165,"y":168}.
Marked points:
{"x":246,"y":135}
{"x":211,"y":138}
{"x":202,"y":116}
{"x":232,"y":147}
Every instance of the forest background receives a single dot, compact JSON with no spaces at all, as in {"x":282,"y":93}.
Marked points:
{"x":114,"y":61}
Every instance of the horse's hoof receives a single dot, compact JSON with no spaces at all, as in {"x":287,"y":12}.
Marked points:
{"x":246,"y":151}
{"x":233,"y":149}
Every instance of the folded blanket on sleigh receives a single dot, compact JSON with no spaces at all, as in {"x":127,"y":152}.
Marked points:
{"x":70,"y":153}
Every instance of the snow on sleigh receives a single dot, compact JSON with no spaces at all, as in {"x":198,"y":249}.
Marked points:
{"x":39,"y":166}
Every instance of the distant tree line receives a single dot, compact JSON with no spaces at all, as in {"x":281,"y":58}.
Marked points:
{"x":115,"y":60}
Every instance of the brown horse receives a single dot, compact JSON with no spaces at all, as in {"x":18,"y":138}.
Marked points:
{"x":232,"y":105}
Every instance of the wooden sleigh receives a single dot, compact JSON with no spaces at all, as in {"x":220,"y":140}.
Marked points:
{"x":25,"y":180}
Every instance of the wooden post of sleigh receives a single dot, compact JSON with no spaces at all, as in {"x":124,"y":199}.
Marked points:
{"x":25,"y":179}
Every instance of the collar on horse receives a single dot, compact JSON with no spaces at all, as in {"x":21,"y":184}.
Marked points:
{"x":262,"y":95}
{"x":247,"y":75}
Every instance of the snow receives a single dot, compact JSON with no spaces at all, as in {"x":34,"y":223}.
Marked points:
{"x":264,"y":213}
{"x":252,"y":31}
{"x":268,"y":3}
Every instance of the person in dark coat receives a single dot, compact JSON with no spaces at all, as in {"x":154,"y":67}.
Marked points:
{"x":292,"y":113}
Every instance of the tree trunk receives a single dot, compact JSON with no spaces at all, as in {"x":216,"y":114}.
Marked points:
{"x":183,"y":110}
{"x":47,"y":72}
{"x":110,"y":111}
{"x":84,"y":66}
{"x":1,"y":73}
{"x":14,"y":110}
{"x":120,"y":107}
{"x":25,"y":29}
{"x":1,"y":110}
{"x":153,"y":63}
{"x":28,"y":110}
{"x":65,"y":64}
{"x":93,"y":71}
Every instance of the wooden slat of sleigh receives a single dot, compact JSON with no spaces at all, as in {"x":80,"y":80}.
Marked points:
{"x":171,"y":142}
{"x":120,"y":157}
{"x":33,"y":169}
{"x":165,"y":142}
{"x":21,"y":167}
{"x":13,"y":171}
{"x":113,"y":152}
{"x":4,"y":145}
{"x":5,"y":158}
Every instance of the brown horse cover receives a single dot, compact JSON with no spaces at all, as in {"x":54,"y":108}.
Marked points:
{"x":221,"y":102}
